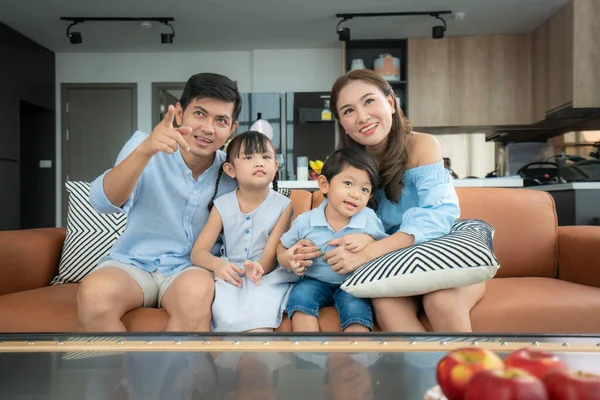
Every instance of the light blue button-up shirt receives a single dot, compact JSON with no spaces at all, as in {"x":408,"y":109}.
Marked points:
{"x":428,"y":205}
{"x":166,"y":211}
{"x":314,"y":226}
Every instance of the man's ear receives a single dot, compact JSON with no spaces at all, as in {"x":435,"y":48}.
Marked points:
{"x":229,"y":170}
{"x":233,"y":128}
{"x":178,"y":114}
{"x":323,"y":184}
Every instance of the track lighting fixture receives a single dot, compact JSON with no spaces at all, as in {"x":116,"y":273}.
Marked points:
{"x":75,"y":37}
{"x":437,"y":31}
{"x":167,"y":38}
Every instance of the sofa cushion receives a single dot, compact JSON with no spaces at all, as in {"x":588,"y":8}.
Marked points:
{"x":536,"y":305}
{"x":90,"y":235}
{"x":463,"y":257}
{"x":54,"y":309}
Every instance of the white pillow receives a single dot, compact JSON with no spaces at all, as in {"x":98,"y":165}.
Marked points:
{"x":463,"y":257}
{"x":90,"y":235}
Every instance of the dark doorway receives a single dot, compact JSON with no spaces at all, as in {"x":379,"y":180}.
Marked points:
{"x":37,"y":166}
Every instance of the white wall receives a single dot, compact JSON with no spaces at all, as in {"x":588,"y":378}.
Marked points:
{"x":255,"y":71}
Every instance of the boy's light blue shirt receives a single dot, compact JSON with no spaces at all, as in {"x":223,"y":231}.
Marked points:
{"x":314,"y":226}
{"x":166,"y":211}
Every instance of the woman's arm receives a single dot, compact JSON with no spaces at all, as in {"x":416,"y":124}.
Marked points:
{"x":268,"y":259}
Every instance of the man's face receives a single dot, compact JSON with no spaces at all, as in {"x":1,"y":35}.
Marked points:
{"x":211,"y":121}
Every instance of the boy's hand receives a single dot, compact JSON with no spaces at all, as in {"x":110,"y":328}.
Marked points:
{"x":353,"y":242}
{"x":230,"y":273}
{"x":254,"y":271}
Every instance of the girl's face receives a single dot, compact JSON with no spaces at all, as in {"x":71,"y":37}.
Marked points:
{"x":255,"y":169}
{"x":365,"y":112}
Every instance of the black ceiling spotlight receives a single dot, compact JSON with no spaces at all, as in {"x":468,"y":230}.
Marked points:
{"x":75,"y":37}
{"x":437,"y":31}
{"x":167,"y":38}
{"x":343,"y":33}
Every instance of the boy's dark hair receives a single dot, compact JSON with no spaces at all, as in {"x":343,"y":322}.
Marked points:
{"x":253,"y":142}
{"x":209,"y":85}
{"x":351,"y":156}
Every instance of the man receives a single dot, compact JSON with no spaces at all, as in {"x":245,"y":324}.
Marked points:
{"x":164,"y":182}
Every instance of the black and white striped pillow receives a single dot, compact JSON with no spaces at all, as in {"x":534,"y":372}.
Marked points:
{"x":463,"y":257}
{"x":90,"y":235}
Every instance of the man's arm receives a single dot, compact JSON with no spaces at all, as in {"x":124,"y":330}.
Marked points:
{"x":120,"y":181}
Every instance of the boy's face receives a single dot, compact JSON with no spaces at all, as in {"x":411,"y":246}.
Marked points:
{"x":348,"y":192}
{"x":211,"y":121}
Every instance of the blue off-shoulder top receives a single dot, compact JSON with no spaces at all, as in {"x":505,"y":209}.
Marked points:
{"x":427,"y":207}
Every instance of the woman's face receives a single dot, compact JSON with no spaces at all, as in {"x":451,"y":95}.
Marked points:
{"x":365,"y":112}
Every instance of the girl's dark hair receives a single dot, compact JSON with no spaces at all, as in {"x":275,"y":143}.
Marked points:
{"x":209,"y":85}
{"x":351,"y":156}
{"x":252,"y":142}
{"x":393,"y":162}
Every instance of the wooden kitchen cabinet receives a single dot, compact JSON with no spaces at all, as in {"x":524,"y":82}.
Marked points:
{"x":585,"y":52}
{"x":510,"y":82}
{"x":539,"y":69}
{"x":560,"y":59}
{"x":469,"y":80}
{"x":428,"y":82}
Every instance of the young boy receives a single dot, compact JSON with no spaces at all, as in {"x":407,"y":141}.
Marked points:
{"x":347,"y":180}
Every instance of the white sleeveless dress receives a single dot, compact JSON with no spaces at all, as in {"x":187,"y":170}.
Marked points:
{"x":244,"y":238}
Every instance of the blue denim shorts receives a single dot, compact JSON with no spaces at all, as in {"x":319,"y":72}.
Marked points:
{"x":309,"y":295}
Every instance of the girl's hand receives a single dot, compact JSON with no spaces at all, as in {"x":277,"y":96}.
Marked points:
{"x":254,"y":271}
{"x":353,"y":242}
{"x":230,"y":273}
{"x":343,"y":261}
{"x":292,"y":261}
{"x":305,"y":250}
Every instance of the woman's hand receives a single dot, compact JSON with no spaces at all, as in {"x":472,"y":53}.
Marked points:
{"x":254,"y":271}
{"x":353,"y":242}
{"x":344,"y":261}
{"x":230,"y":273}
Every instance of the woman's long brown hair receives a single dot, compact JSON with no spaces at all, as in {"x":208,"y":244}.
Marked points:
{"x":393,"y":162}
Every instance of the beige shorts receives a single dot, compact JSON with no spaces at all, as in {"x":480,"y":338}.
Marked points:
{"x":154,"y":284}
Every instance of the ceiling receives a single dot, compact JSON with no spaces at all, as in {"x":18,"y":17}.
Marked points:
{"x":217,"y":25}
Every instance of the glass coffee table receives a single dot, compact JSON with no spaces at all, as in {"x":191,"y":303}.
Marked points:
{"x":250,"y":366}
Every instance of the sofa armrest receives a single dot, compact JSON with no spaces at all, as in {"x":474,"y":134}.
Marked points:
{"x":29,"y":258}
{"x":579,"y":254}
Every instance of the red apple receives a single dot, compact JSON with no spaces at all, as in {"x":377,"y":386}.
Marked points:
{"x":457,"y":367}
{"x":571,"y":385}
{"x":537,"y":363}
{"x":505,"y":384}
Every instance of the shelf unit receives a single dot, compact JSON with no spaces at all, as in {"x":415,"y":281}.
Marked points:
{"x":369,"y":50}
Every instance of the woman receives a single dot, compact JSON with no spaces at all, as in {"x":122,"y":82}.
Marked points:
{"x":416,"y":199}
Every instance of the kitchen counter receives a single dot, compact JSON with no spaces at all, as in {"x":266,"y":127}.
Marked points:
{"x":487,"y":182}
{"x":567,"y":186}
{"x":577,"y":203}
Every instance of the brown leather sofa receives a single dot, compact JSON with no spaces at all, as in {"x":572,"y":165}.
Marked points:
{"x":549,"y":277}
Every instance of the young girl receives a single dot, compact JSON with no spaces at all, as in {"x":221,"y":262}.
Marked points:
{"x":347,"y":182}
{"x":250,"y":290}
